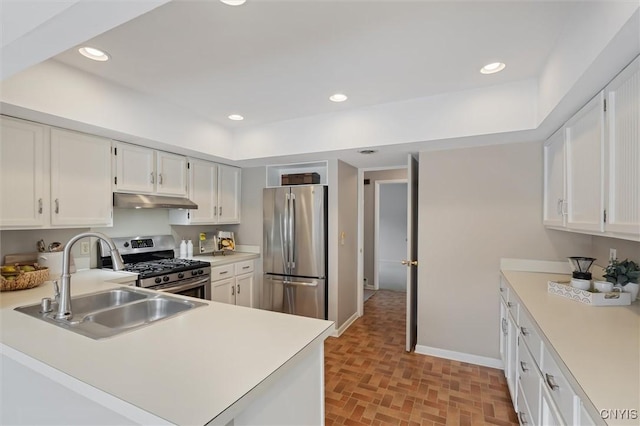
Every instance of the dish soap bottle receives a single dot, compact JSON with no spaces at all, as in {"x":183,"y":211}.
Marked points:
{"x":189,"y":249}
{"x":183,"y":249}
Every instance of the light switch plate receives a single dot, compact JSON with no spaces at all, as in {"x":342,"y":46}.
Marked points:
{"x":84,"y":247}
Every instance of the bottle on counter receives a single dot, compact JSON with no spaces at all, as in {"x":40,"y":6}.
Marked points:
{"x":183,"y":249}
{"x":190,"y":249}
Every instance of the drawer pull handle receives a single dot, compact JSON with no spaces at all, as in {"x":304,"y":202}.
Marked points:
{"x":523,"y":418}
{"x":57,"y":206}
{"x":509,"y":304}
{"x":224,"y":272}
{"x":246,"y":267}
{"x":40,"y":205}
{"x":523,"y":365}
{"x":238,"y":291}
{"x":524,"y":331}
{"x":152,"y":179}
{"x":501,"y":289}
{"x":551,"y":381}
{"x":233,"y":290}
{"x":504,"y":326}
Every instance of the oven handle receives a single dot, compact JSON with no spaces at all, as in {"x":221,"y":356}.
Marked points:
{"x":183,"y":287}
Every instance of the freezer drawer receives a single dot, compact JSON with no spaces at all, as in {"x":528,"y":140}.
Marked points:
{"x":293,"y":295}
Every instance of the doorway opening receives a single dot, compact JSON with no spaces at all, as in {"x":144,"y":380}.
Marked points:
{"x":380,"y":195}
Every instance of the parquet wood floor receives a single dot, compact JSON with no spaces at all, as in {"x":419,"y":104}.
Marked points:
{"x":371,"y":380}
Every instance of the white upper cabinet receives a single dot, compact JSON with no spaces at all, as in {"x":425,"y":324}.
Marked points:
{"x":24,"y":201}
{"x":554,"y":180}
{"x":135,"y":168}
{"x":623,"y":148}
{"x":171,"y":170}
{"x":215,"y":188}
{"x":228,"y":194}
{"x":599,"y":160}
{"x":585,"y":167}
{"x":146,"y":171}
{"x":203,"y":190}
{"x":53,"y":178}
{"x":80,"y":179}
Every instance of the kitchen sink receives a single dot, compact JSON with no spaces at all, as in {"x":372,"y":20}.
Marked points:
{"x":134,"y":315}
{"x":112,"y":312}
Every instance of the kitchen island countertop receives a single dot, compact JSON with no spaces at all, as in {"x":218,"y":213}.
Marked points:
{"x":201,"y":365}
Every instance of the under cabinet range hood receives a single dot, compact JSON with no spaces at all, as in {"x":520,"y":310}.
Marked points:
{"x":147,"y":201}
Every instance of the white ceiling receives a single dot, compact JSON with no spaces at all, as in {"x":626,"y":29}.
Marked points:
{"x":278,"y":60}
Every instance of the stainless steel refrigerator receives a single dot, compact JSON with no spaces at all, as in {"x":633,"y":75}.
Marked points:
{"x":295,"y":250}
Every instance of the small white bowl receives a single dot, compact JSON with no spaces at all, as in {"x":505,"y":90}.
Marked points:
{"x":581,"y":284}
{"x":603,"y":286}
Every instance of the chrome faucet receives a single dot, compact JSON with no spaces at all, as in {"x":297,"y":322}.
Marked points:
{"x":64,"y":306}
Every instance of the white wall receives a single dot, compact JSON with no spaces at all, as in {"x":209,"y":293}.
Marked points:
{"x":369,"y":215}
{"x":477,"y":205}
{"x":392,"y":236}
{"x":343,"y":244}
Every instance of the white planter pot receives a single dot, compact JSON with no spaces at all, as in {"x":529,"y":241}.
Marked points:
{"x":633,"y":289}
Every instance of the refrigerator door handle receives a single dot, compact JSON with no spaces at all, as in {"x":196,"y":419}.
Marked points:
{"x":292,"y":232}
{"x":285,"y":242}
{"x":288,"y":281}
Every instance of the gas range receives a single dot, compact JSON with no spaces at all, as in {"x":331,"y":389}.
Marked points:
{"x":152,"y":258}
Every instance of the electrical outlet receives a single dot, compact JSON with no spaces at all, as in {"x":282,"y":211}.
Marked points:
{"x":84,"y":247}
{"x":613,"y":254}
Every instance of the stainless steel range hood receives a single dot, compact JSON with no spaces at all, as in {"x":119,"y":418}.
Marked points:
{"x":146,"y":201}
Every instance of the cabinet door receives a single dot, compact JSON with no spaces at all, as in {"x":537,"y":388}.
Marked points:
{"x":585,"y":150}
{"x":171,"y":174}
{"x":203,"y":190}
{"x":512,"y":355}
{"x":228,"y":194}
{"x":244,"y":290}
{"x":623,"y":123}
{"x":224,"y":291}
{"x":80,"y":179}
{"x":135,"y":169}
{"x":22,"y":174}
{"x":554,"y":180}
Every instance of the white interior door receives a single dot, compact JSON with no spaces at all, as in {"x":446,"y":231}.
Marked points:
{"x":412,"y":253}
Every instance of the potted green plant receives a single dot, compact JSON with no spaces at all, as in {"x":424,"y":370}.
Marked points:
{"x":624,"y":273}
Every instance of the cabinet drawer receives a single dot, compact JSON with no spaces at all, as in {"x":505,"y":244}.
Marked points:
{"x":524,"y":414}
{"x":244,"y":267}
{"x":530,"y":336}
{"x":221,"y":272}
{"x":558,"y":387}
{"x":529,"y":385}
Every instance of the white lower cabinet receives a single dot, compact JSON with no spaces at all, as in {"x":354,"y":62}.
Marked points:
{"x":233,"y":283}
{"x":544,"y":393}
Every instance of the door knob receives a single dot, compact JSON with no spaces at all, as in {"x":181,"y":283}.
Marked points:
{"x":410,"y":262}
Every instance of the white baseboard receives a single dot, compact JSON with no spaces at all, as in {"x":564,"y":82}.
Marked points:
{"x":338,"y":332}
{"x":460,"y":356}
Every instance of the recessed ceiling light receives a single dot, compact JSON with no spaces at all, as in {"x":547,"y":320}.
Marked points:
{"x":368,"y":151}
{"x":338,"y":97}
{"x":93,"y":53}
{"x":233,"y":2}
{"x":492,"y":68}
{"x":236,"y":117}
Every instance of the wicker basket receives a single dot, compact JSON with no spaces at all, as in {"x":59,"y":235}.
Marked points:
{"x":25,"y":280}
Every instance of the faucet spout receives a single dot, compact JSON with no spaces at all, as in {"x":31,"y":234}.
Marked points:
{"x":64,"y":306}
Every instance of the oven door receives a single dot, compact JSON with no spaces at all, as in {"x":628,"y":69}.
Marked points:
{"x":199,"y":288}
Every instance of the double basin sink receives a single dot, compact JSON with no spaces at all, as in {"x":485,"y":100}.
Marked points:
{"x":111,"y":312}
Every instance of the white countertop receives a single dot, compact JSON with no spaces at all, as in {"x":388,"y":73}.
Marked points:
{"x":600,"y":345}
{"x":187,"y":369}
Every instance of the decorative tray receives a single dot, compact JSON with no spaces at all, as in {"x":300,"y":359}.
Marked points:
{"x":613,"y":298}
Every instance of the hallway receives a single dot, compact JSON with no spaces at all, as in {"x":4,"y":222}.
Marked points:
{"x":371,"y":380}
